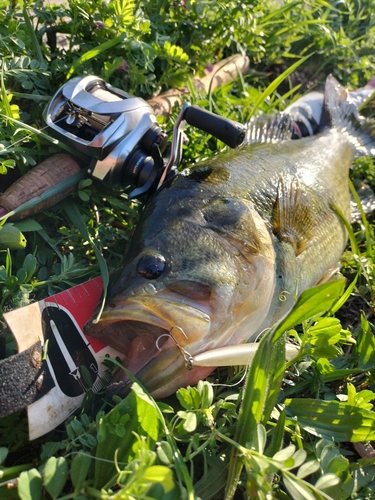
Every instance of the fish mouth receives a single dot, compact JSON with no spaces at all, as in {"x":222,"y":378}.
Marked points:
{"x":156,"y":337}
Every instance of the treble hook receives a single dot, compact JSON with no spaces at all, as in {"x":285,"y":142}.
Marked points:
{"x":188,"y":358}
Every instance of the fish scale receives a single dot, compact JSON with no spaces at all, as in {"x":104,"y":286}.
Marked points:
{"x":231,"y":244}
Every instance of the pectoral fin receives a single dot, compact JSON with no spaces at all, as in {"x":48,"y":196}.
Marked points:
{"x":294,"y":215}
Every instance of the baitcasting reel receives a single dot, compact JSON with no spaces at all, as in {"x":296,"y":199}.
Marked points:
{"x":120,"y":134}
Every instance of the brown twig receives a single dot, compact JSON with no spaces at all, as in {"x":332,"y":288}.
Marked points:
{"x":223,"y":72}
{"x":365,"y":450}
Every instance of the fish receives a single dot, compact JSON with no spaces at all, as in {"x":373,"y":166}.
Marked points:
{"x":223,"y":249}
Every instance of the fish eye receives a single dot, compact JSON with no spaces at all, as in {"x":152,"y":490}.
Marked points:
{"x":151,"y":266}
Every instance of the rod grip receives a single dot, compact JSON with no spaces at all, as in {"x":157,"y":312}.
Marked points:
{"x":36,"y":181}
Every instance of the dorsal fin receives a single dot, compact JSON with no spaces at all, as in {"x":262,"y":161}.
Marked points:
{"x":268,"y":128}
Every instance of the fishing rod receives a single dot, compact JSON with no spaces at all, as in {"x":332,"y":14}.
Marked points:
{"x":117,"y":140}
{"x":120,"y":135}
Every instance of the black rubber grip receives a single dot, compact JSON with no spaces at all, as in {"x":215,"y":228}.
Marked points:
{"x":228,"y":131}
{"x":24,"y":378}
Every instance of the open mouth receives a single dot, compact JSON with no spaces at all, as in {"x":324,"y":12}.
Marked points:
{"x":124,"y":320}
{"x":141,"y":329}
{"x":121,"y":334}
{"x":139,"y":341}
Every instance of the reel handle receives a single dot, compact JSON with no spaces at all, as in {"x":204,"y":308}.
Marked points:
{"x":230,"y":132}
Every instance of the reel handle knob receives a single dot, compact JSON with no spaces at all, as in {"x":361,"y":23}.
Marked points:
{"x":230,"y":132}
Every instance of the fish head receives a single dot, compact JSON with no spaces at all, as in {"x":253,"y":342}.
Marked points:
{"x":185,"y":288}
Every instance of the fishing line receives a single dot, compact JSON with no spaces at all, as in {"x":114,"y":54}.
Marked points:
{"x":37,"y":131}
{"x":237,"y":383}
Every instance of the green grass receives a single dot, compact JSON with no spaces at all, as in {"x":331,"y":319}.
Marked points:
{"x":288,"y":430}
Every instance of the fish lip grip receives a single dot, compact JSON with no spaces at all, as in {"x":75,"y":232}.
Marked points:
{"x":120,"y":136}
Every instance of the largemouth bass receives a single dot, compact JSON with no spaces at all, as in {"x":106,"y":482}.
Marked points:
{"x":222,"y":251}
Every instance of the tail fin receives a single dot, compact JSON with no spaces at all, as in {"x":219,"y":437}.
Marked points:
{"x":341,"y":113}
